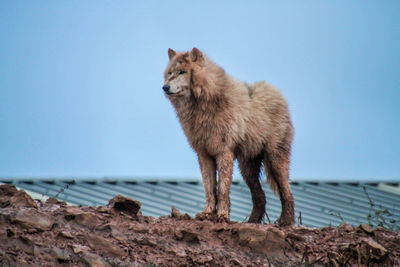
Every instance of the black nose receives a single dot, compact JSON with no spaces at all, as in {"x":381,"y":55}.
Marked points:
{"x":166,"y":88}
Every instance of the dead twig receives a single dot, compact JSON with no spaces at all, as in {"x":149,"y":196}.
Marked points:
{"x":300,"y":218}
{"x":266,"y":215}
{"x":65,"y":188}
{"x":337,"y":215}
{"x":379,"y":214}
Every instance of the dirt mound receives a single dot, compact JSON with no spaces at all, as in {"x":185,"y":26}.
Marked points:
{"x":33,"y":233}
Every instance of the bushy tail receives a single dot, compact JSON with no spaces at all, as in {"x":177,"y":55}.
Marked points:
{"x":271,"y":178}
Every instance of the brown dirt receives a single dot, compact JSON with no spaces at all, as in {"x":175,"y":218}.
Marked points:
{"x":33,"y":233}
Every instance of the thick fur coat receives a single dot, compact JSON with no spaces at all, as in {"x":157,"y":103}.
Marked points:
{"x":225,"y":119}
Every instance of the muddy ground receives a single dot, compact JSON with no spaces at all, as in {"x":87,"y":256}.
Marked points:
{"x":33,"y":233}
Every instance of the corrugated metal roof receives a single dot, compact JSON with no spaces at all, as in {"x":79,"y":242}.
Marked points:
{"x":320,"y":203}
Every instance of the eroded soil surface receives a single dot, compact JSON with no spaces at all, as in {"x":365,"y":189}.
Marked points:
{"x":33,"y":233}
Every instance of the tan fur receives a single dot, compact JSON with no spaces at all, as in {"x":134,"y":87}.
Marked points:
{"x":225,"y":119}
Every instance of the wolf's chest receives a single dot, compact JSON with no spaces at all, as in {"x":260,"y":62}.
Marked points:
{"x":208,"y":135}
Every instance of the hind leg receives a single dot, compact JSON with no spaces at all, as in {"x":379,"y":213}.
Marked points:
{"x":277,"y":166}
{"x":250,"y":170}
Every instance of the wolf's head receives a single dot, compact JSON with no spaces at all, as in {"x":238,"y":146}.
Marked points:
{"x":182,"y":77}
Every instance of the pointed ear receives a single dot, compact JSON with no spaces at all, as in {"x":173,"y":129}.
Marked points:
{"x":196,"y":55}
{"x":171,"y":53}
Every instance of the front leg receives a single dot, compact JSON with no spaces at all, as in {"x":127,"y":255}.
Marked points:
{"x":225,"y":169}
{"x":208,"y":173}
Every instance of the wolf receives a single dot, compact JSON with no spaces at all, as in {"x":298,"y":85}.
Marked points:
{"x":225,"y":119}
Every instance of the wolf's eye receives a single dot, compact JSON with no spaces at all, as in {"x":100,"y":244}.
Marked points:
{"x":182,"y":72}
{"x":169,"y":73}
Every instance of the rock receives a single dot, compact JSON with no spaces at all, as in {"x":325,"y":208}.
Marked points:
{"x":55,"y":201}
{"x":103,"y":209}
{"x":66,"y":234}
{"x":236,"y":262}
{"x":219,"y":227}
{"x":145,"y":241}
{"x":268,"y":241}
{"x":295,"y":237}
{"x":370,"y":249}
{"x":71,"y":211}
{"x":61,"y":255}
{"x":94,"y":260}
{"x":7,"y":190}
{"x":202,"y":259}
{"x":187,"y":236}
{"x":5,"y":215}
{"x":10,"y":196}
{"x":116,"y":233}
{"x":80,"y":217}
{"x":125,"y":204}
{"x":32,"y":231}
{"x":176,"y":250}
{"x":25,"y":244}
{"x":36,"y":251}
{"x":87,"y":219}
{"x":347,"y":227}
{"x":366,"y":228}
{"x":19,"y":245}
{"x":80,"y":248}
{"x":139,"y":228}
{"x":103,"y":245}
{"x":180,"y":252}
{"x":22,"y":199}
{"x":31,"y":218}
{"x":175,"y":213}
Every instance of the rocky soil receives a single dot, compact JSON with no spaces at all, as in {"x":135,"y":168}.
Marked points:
{"x":33,"y":233}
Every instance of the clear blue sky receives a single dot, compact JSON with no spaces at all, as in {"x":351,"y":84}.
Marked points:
{"x":80,"y":83}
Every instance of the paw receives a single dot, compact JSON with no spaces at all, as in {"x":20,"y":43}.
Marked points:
{"x":222,"y":219}
{"x":255,"y":219}
{"x":210,"y":216}
{"x":222,"y":216}
{"x":285,"y":221}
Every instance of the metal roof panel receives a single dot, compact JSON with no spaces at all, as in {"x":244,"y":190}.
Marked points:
{"x":320,"y":203}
